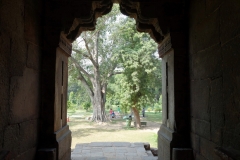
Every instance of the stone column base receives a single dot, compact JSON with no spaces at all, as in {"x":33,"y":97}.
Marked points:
{"x":63,"y":139}
{"x":59,"y":148}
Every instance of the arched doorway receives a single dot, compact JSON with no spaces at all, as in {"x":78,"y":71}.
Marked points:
{"x":164,"y":21}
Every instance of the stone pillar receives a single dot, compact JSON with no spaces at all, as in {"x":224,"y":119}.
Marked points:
{"x":55,"y":133}
{"x":61,"y":129}
{"x":174,"y":130}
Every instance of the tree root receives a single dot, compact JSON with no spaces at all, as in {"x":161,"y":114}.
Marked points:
{"x":100,"y":118}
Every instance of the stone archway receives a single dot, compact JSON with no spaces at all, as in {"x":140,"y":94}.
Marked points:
{"x":164,"y":21}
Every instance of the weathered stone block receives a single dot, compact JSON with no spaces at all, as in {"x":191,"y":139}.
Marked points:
{"x":207,"y":149}
{"x":164,"y":141}
{"x":207,"y":63}
{"x":193,"y":121}
{"x":28,"y":135}
{"x":11,"y":140}
{"x":231,"y":91}
{"x":67,"y":155}
{"x":229,"y":20}
{"x":206,"y":32}
{"x":33,"y":56}
{"x":197,"y":15}
{"x":216,"y":102}
{"x":227,"y":153}
{"x":47,"y":154}
{"x":195,"y":142}
{"x":25,"y":96}
{"x":203,"y":128}
{"x":12,"y":16}
{"x":4,"y":80}
{"x":212,"y":6}
{"x":216,"y":134}
{"x":182,"y":153}
{"x":64,"y":139}
{"x":231,"y":77}
{"x":199,"y":157}
{"x":31,"y":22}
{"x":28,"y":154}
{"x":227,"y":139}
{"x":1,"y":139}
{"x":18,"y":56}
{"x":231,"y":139}
{"x":200,"y":99}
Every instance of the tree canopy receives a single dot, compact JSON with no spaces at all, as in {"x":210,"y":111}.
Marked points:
{"x":115,"y":47}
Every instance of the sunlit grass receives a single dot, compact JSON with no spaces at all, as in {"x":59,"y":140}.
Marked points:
{"x":154,"y":117}
{"x":84,"y":131}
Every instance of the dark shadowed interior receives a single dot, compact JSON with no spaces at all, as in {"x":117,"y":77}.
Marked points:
{"x":199,"y":46}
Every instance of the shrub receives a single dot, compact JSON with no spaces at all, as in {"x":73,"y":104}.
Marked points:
{"x":157,"y":109}
{"x":86,"y":105}
{"x":149,"y":109}
{"x":70,"y":105}
{"x":108,"y":106}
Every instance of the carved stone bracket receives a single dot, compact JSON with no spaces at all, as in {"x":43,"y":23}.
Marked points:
{"x":66,"y":46}
{"x":83,"y":21}
{"x":145,"y":23}
{"x":165,"y":46}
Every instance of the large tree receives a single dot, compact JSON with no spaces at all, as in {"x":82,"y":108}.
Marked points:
{"x":138,"y":83}
{"x":115,"y":47}
{"x":96,"y":60}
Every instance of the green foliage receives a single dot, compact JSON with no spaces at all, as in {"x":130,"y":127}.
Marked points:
{"x":149,"y":109}
{"x":70,"y":105}
{"x":137,"y":85}
{"x":86,"y":105}
{"x":158,"y":105}
{"x":120,"y":49}
{"x":157,"y":109}
{"x":95,"y":58}
{"x":108,"y":106}
{"x":76,"y":92}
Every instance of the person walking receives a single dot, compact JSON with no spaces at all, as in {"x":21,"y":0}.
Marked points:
{"x":143,"y":112}
{"x":118,"y":109}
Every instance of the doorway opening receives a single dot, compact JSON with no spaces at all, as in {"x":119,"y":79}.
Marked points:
{"x":114,"y":69}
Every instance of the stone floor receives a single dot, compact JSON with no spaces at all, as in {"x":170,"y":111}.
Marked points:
{"x":112,"y":151}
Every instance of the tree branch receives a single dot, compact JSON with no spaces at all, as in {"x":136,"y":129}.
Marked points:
{"x":89,"y":52}
{"x":111,"y":73}
{"x":114,"y":73}
{"x":81,"y":69}
{"x":96,"y":47}
{"x":86,"y":85}
{"x":77,"y":51}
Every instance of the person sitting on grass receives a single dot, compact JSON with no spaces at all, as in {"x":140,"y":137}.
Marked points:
{"x":113,"y":114}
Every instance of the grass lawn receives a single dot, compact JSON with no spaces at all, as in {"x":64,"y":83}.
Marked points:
{"x":84,"y":131}
{"x":154,"y":117}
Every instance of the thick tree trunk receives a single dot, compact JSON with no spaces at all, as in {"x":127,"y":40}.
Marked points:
{"x":137,"y":117}
{"x":99,"y":114}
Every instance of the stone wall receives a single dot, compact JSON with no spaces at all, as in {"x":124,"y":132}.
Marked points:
{"x":214,"y":76}
{"x":19,"y":77}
